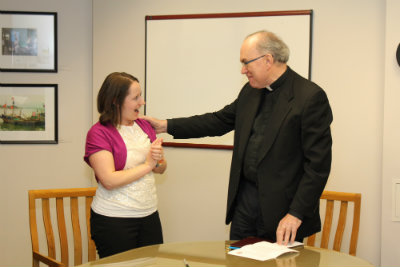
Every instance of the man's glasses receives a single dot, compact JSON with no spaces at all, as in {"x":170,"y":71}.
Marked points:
{"x":245,"y":63}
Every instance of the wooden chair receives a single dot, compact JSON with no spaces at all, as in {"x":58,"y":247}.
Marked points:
{"x":344,"y":199}
{"x":47,"y":197}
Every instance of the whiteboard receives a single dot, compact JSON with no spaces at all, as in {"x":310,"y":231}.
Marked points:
{"x":193,"y":65}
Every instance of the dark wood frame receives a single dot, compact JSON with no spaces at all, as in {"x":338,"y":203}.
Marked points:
{"x":53,"y":134}
{"x":54,"y":33}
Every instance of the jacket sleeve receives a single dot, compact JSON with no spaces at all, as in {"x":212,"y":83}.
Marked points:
{"x":209,"y":124}
{"x":317,"y":148}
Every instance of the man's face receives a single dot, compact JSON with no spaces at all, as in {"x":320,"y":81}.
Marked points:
{"x":256,"y":70}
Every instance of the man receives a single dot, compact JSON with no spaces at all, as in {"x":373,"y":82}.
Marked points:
{"x":282,"y":145}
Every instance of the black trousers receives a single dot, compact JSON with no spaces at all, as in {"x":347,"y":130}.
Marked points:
{"x":113,"y":235}
{"x":247,"y":219}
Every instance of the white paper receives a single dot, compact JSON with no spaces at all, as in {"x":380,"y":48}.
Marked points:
{"x":294,"y":244}
{"x":263,"y":250}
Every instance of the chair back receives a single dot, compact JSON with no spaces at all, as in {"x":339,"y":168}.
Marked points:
{"x":344,"y":199}
{"x":46,"y":199}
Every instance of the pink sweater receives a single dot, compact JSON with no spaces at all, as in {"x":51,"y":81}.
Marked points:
{"x":106,"y":137}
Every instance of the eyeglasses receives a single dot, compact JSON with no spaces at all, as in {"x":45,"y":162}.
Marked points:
{"x":245,"y":63}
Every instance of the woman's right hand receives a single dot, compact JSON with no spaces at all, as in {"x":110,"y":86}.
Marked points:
{"x":156,"y":153}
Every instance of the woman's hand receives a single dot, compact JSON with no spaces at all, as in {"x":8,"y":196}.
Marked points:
{"x":156,"y":153}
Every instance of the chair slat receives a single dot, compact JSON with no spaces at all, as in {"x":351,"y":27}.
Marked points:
{"x":62,"y":230}
{"x":33,"y":224}
{"x":76,"y":229}
{"x":33,"y":228}
{"x":356,"y":225}
{"x":48,"y":228}
{"x":337,"y":243}
{"x":327,"y":224}
{"x":91,"y":245}
{"x":311,"y":240}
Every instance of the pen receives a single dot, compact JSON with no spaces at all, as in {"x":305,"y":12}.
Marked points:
{"x":185,"y":262}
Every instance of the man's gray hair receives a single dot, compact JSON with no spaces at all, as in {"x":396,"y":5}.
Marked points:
{"x":269,"y":42}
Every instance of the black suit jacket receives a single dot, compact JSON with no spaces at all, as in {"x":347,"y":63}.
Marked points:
{"x":295,"y":153}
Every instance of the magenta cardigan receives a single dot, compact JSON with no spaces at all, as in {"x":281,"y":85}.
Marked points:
{"x":106,"y":137}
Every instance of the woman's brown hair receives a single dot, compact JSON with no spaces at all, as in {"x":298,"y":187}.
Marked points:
{"x":112,"y":95}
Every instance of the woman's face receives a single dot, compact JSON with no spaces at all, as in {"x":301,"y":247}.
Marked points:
{"x":131,"y":105}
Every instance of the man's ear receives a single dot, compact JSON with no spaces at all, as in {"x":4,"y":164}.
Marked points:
{"x":269,"y":59}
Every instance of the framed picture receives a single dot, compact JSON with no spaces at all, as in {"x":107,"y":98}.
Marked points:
{"x":28,"y":41}
{"x":28,"y":114}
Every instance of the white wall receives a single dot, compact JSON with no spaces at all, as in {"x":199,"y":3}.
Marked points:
{"x":348,"y":62}
{"x":390,"y":249}
{"x":24,"y":167}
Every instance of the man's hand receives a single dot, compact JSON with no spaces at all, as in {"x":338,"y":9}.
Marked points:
{"x":159,"y":125}
{"x":287,"y":229}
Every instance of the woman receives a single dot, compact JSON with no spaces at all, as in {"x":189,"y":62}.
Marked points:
{"x":124,"y":153}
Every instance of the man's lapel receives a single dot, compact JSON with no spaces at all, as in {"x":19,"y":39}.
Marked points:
{"x":280,"y":112}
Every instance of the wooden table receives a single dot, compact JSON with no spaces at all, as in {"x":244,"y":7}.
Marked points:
{"x":214,"y":253}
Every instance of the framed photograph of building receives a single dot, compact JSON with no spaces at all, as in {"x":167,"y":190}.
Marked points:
{"x":28,"y":41}
{"x":28,"y":114}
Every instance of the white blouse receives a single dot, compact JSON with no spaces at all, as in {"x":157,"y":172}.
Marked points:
{"x":137,"y":199}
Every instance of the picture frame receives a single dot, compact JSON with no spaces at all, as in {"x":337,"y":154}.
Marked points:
{"x":28,"y":113}
{"x":29,"y":41}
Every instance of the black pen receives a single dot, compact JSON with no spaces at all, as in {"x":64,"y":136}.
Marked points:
{"x":185,"y":262}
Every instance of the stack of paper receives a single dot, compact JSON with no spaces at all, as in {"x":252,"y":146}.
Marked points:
{"x":263,"y":250}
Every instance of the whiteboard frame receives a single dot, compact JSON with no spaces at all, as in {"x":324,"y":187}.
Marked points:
{"x":149,"y":18}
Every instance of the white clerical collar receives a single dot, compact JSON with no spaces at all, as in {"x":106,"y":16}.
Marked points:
{"x":269,"y":88}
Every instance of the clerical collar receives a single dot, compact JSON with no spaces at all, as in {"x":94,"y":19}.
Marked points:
{"x":275,"y":85}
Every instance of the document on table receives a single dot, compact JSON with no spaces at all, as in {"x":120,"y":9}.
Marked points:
{"x":263,"y":250}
